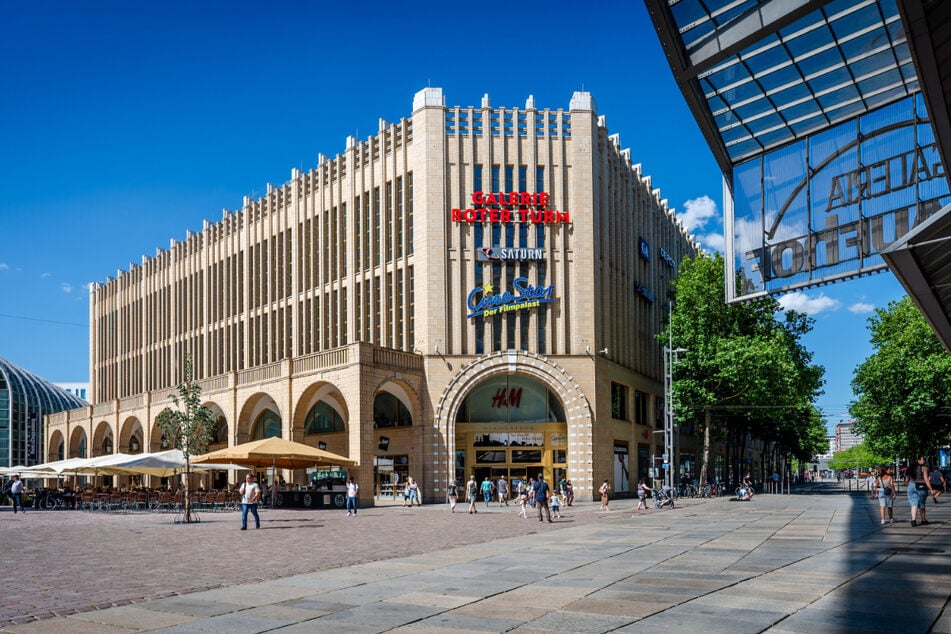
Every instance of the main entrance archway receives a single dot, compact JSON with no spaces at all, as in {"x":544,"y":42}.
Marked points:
{"x":514,"y":414}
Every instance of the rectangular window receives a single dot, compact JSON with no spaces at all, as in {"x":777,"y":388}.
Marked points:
{"x":399,"y":216}
{"x":409,"y":212}
{"x":377,"y":236}
{"x":477,"y":178}
{"x":641,"y":400}
{"x":618,"y":401}
{"x":523,"y":178}
{"x":388,"y":208}
{"x":495,"y":178}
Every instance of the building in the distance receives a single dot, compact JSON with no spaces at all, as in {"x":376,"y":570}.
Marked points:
{"x":846,"y":437}
{"x":80,"y":390}
{"x":473,"y":290}
{"x":24,"y":400}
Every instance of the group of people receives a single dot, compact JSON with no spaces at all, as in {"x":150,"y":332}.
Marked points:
{"x":533,"y":492}
{"x":922,"y":482}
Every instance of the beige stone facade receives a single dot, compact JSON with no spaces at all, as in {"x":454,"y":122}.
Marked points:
{"x":345,"y":304}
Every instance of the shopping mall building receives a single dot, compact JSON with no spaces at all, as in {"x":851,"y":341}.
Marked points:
{"x":473,"y":290}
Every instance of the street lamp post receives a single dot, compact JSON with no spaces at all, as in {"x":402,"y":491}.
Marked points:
{"x":670,"y":360}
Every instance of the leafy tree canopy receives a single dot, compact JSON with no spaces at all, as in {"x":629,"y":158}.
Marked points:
{"x":903,"y":389}
{"x":857,"y":457}
{"x":744,"y":367}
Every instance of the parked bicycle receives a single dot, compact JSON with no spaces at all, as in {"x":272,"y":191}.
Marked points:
{"x":49,"y":499}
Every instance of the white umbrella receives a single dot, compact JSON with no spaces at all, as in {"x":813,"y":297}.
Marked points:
{"x":59,"y":466}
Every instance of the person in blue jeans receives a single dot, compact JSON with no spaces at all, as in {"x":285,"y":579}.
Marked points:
{"x":486,"y":490}
{"x":250,"y":496}
{"x":16,"y":492}
{"x":352,"y":490}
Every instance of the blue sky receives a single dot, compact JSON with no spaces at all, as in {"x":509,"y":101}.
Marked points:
{"x":125,"y":124}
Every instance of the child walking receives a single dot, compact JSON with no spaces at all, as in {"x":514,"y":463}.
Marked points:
{"x":522,"y":503}
{"x":555,"y":505}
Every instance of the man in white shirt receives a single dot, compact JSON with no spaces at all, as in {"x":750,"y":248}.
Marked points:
{"x":250,"y":496}
{"x":353,"y":489}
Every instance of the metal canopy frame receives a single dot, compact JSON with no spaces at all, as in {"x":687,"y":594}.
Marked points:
{"x":759,"y":74}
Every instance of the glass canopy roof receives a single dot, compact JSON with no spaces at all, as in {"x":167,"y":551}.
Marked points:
{"x":842,"y":59}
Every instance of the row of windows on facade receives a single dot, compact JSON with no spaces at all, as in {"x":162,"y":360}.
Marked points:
{"x":508,"y":123}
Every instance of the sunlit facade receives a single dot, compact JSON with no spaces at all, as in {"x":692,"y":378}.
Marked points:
{"x":473,"y":290}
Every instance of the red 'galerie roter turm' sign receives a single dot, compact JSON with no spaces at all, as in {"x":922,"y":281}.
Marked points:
{"x":509,"y":207}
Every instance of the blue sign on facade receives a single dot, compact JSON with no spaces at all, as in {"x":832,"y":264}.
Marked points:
{"x":482,"y":302}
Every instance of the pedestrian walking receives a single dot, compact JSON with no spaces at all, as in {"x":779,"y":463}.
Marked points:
{"x":641,"y":495}
{"x":870,"y":483}
{"x":938,"y":483}
{"x":487,"y":491}
{"x":542,"y":493}
{"x":353,"y":489}
{"x":472,"y":489}
{"x":604,"y":491}
{"x":452,"y":495}
{"x":555,"y":505}
{"x":412,"y":488}
{"x":523,"y":503}
{"x":250,"y":496}
{"x":16,"y":492}
{"x":919,"y":487}
{"x":569,"y":493}
{"x":885,"y":485}
{"x":503,"y":490}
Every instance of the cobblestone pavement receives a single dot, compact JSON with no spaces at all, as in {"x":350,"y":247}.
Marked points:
{"x":815,"y":561}
{"x":63,"y":562}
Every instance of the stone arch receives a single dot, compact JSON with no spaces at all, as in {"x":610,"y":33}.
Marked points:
{"x":78,"y":443}
{"x":157,"y":441}
{"x":578,"y":411}
{"x":403,"y":392}
{"x":101,"y":438}
{"x":320,"y":391}
{"x":250,"y":411}
{"x":56,"y":442}
{"x":221,"y":435}
{"x":131,"y":436}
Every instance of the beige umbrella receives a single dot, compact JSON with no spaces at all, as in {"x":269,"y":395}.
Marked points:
{"x":275,"y":452}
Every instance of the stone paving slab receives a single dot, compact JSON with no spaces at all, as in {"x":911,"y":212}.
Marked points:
{"x":781,"y":563}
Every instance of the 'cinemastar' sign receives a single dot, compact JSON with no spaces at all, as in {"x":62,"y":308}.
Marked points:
{"x":510,"y":207}
{"x":482,"y":302}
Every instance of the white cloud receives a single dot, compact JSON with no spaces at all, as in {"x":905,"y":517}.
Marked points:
{"x":713,"y":241}
{"x":4,"y":266}
{"x":46,"y":275}
{"x":801,"y":302}
{"x":697,"y":212}
{"x":860,"y":308}
{"x":67,"y":287}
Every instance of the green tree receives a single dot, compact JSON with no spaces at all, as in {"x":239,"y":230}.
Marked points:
{"x":903,"y":404}
{"x":189,"y":425}
{"x":857,"y":457}
{"x":745,"y":372}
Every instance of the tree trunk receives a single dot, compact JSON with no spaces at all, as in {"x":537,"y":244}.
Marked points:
{"x":188,"y":494}
{"x":705,"y":463}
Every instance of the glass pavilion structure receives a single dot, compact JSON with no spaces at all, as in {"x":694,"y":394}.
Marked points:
{"x":24,"y":399}
{"x":830,"y":122}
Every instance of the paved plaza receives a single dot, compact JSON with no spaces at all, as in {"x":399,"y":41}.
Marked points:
{"x":814,"y":561}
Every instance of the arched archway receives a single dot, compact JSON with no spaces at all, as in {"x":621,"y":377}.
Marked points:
{"x":131,"y":436}
{"x":571,"y":436}
{"x":250,"y":413}
{"x":397,"y":438}
{"x":57,"y":447}
{"x":78,"y":443}
{"x":322,"y":419}
{"x":103,"y":440}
